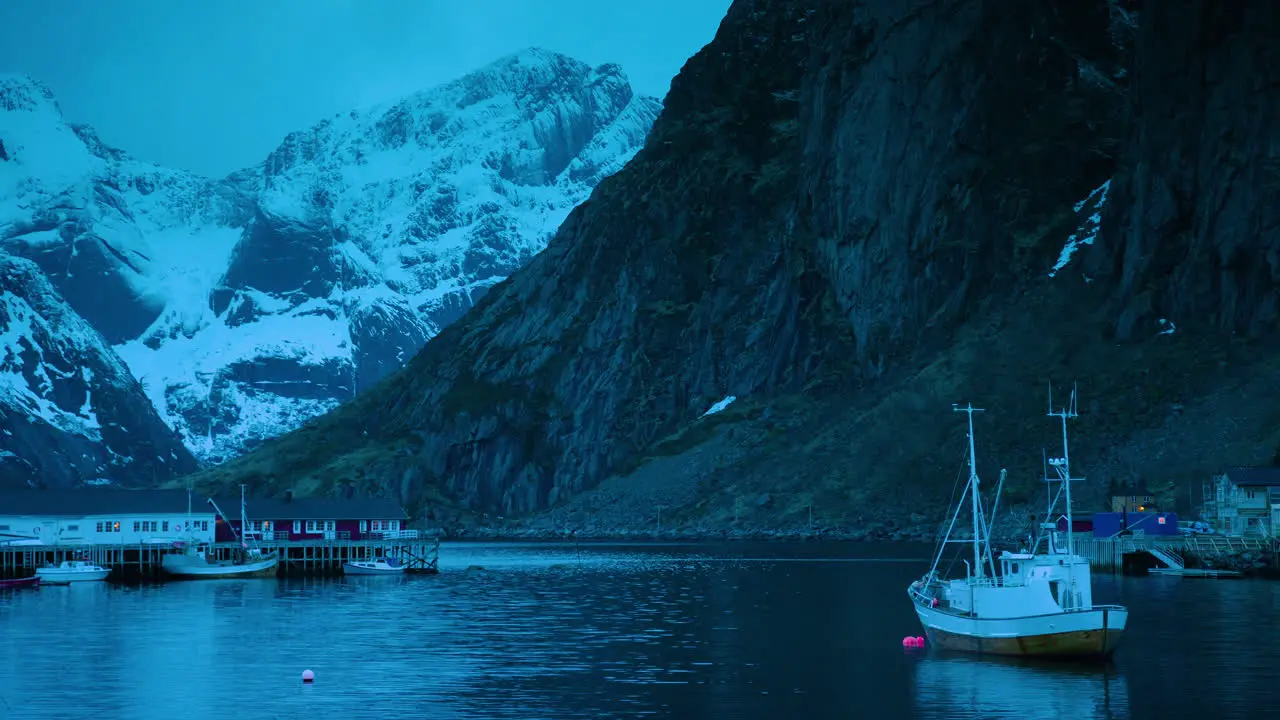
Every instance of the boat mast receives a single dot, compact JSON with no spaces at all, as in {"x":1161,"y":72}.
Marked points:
{"x":973,"y":490}
{"x":1063,"y":465}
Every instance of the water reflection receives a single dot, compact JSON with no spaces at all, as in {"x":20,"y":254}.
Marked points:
{"x":565,"y":632}
{"x":956,"y":687}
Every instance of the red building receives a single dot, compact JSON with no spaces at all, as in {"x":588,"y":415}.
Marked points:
{"x":311,"y":518}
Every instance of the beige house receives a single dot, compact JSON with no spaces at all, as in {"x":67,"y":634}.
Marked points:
{"x":1244,"y":502}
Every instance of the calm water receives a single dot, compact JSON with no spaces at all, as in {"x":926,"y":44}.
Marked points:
{"x":704,"y":631}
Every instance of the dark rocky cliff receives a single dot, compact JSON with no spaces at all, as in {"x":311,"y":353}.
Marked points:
{"x":845,"y":218}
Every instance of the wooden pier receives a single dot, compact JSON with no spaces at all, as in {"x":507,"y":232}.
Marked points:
{"x":297,"y":558}
{"x":1115,"y":554}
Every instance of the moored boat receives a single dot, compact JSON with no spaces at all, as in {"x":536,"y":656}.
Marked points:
{"x":17,"y":583}
{"x":72,"y":571}
{"x":1035,"y":602}
{"x":197,"y":561}
{"x":376,"y":566}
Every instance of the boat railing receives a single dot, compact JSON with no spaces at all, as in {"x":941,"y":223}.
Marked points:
{"x":396,"y":534}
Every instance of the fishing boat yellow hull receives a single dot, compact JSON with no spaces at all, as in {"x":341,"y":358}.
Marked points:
{"x":1093,"y":633}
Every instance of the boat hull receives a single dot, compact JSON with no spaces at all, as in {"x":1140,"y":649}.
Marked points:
{"x":352,"y":569}
{"x":20,"y":583}
{"x":191,"y":568}
{"x":1094,"y":633}
{"x":57,"y":577}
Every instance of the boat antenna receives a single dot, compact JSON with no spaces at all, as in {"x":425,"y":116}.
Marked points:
{"x":973,"y":489}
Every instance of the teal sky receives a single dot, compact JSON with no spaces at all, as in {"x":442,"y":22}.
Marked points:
{"x":213,"y":85}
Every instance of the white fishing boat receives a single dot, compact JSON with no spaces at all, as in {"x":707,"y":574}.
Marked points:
{"x":1039,"y":602}
{"x":71,"y":571}
{"x":376,"y":566}
{"x":198,"y":560}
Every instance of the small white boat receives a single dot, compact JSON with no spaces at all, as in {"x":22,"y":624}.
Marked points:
{"x":377,"y":566}
{"x":71,"y":571}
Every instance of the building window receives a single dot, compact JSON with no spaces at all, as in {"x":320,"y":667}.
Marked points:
{"x":394,"y":525}
{"x":330,"y":525}
{"x":71,"y":528}
{"x":364,"y":526}
{"x":164,"y":526}
{"x":297,"y":527}
{"x":108,"y":526}
{"x":313,"y":526}
{"x":1248,"y":494}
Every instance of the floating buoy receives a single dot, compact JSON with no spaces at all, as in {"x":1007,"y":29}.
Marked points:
{"x":919,"y":641}
{"x":913,"y":642}
{"x":308,"y":676}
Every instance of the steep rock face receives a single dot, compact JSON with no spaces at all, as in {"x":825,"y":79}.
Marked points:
{"x":848,"y":216}
{"x":1193,"y":232}
{"x":933,"y":172}
{"x":70,"y":412}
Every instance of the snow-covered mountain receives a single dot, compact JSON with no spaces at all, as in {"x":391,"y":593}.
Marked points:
{"x":70,"y":411}
{"x":247,"y":305}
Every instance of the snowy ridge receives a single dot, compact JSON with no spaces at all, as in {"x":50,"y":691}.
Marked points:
{"x":248,"y":305}
{"x":27,"y":376}
{"x":67,"y":402}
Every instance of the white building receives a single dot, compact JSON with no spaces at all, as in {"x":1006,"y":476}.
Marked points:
{"x":1244,"y":502}
{"x":103,"y":516}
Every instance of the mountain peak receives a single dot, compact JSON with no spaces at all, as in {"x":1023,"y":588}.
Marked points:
{"x":22,"y":93}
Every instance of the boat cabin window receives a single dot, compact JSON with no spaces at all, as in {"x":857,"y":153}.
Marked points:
{"x":1013,"y":568}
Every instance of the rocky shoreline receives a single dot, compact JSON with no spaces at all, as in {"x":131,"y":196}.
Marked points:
{"x":698,"y":533}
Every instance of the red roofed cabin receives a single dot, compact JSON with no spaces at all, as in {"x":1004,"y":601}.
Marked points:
{"x":312,"y":518}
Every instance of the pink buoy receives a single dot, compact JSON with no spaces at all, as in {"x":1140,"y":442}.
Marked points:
{"x":919,"y":641}
{"x":308,"y":676}
{"x":908,"y":641}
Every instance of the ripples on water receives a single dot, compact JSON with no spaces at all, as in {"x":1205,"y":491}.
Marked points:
{"x":546,"y":631}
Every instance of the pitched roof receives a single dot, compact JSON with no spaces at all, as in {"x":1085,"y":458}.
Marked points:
{"x":313,"y":508}
{"x":115,"y":501}
{"x":1254,"y":476}
{"x":96,"y":501}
